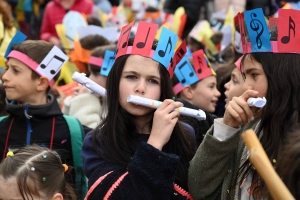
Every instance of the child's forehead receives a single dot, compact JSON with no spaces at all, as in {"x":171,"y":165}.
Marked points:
{"x":16,"y":63}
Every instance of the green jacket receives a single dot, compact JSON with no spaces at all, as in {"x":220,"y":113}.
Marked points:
{"x":215,"y":165}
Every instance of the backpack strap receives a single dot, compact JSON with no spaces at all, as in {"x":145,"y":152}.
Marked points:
{"x":2,"y":118}
{"x":77,"y":136}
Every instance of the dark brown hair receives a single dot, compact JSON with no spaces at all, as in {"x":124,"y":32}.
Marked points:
{"x":38,"y":171}
{"x":37,"y":50}
{"x":92,"y":41}
{"x":99,"y":52}
{"x":288,"y":164}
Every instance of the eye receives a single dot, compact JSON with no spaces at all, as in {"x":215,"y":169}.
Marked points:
{"x":15,"y":71}
{"x":153,"y":81}
{"x":131,"y":77}
{"x":254,"y":75}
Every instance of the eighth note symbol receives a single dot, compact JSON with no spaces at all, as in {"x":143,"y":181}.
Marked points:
{"x":162,"y":53}
{"x":292,"y":25}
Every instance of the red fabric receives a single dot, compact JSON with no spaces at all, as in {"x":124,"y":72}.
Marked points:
{"x":54,"y":14}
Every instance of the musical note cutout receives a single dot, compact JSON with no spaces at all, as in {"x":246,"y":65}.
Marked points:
{"x":144,"y":38}
{"x":165,"y":47}
{"x":200,"y":65}
{"x":123,"y":40}
{"x":179,"y":54}
{"x":288,"y":31}
{"x":185,"y":73}
{"x":108,"y":62}
{"x":18,"y":38}
{"x":52,"y":63}
{"x":292,"y":26}
{"x":258,"y":30}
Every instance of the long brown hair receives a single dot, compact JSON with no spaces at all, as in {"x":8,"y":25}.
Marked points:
{"x":38,"y":171}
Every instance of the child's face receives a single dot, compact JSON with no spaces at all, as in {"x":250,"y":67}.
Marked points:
{"x":234,"y":87}
{"x":99,"y":79}
{"x":206,"y":94}
{"x":140,"y":77}
{"x":255,"y":77}
{"x":18,"y":83}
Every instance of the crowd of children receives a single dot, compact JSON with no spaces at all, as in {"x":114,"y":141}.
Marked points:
{"x":63,"y":140}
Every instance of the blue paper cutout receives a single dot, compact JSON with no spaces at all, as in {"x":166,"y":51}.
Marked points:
{"x":165,"y":48}
{"x":188,"y":53}
{"x":108,"y":62}
{"x":72,"y":21}
{"x":18,"y":38}
{"x":258,"y":30}
{"x":185,"y":72}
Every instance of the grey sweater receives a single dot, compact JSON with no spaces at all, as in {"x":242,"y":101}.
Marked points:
{"x":215,"y":164}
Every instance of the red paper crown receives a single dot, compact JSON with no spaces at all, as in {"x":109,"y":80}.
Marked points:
{"x":143,"y":42}
{"x":257,"y":31}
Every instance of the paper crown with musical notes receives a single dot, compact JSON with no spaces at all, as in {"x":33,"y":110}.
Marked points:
{"x":143,"y":41}
{"x":257,"y":35}
{"x":188,"y":74}
{"x":49,"y":66}
{"x":105,"y":64}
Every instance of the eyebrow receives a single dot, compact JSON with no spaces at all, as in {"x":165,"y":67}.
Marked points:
{"x":136,"y":73}
{"x":15,"y":66}
{"x":248,"y":71}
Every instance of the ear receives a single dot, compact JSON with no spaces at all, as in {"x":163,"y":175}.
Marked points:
{"x":187,"y":92}
{"x":43,"y":84}
{"x":58,"y":196}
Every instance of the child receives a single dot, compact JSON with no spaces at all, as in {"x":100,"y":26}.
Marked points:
{"x":201,"y":92}
{"x":223,"y":76}
{"x":89,"y":108}
{"x":34,"y":115}
{"x":234,"y":87}
{"x":139,"y":152}
{"x":195,"y":92}
{"x":34,"y":172}
{"x":223,"y":153}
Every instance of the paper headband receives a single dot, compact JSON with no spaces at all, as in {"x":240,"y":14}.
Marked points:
{"x":143,"y":42}
{"x":257,"y":31}
{"x":188,"y":74}
{"x":105,"y":64}
{"x":49,"y":66}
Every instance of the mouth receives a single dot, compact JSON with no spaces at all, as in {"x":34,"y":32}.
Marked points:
{"x":214,"y":102}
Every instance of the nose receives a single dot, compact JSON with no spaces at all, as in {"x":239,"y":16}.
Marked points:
{"x":140,"y":87}
{"x":217,"y":93}
{"x":227,"y":85}
{"x":5,"y":77}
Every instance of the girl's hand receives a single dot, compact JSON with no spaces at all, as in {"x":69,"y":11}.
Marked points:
{"x":238,"y":111}
{"x":79,"y":90}
{"x":164,"y":120}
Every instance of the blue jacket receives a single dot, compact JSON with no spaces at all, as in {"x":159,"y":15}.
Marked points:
{"x":149,"y":175}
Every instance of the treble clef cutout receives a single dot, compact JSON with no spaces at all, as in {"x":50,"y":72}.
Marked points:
{"x":292,"y":26}
{"x":256,"y":25}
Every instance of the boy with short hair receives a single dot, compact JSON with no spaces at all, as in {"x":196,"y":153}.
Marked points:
{"x":34,"y":114}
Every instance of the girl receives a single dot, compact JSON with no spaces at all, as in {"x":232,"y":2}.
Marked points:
{"x":223,"y":153}
{"x":89,"y":109}
{"x":138,"y":152}
{"x":234,"y":87}
{"x":34,"y":172}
